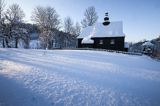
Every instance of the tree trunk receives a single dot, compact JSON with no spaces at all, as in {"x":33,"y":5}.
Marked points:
{"x":3,"y":44}
{"x":6,"y":40}
{"x":16,"y":44}
{"x":26,"y":43}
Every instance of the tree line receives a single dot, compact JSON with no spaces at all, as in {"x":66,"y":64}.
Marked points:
{"x":46,"y":21}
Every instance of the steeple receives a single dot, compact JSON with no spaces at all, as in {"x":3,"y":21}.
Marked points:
{"x":106,"y":20}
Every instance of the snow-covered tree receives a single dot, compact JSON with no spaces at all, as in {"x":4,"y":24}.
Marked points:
{"x":48,"y":21}
{"x":2,"y":6}
{"x":14,"y":19}
{"x":2,"y":36}
{"x":90,"y":17}
{"x":22,"y":37}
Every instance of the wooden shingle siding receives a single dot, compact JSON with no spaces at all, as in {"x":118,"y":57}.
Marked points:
{"x":118,"y":43}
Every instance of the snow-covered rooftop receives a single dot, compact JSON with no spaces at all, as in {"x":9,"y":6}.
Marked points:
{"x":148,"y":43}
{"x":87,"y":41}
{"x":114,"y":29}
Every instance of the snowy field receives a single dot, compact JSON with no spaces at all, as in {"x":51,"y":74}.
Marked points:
{"x":77,"y":78}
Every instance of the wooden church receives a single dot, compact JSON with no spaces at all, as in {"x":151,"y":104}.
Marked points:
{"x":106,"y":35}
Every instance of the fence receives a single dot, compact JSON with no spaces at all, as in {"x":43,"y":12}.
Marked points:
{"x":93,"y":49}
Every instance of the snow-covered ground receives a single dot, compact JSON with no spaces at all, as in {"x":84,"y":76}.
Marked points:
{"x":77,"y":78}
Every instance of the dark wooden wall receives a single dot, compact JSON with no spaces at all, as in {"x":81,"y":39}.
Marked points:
{"x":119,"y":43}
{"x":80,"y":42}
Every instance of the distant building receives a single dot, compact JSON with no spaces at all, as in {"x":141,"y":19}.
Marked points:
{"x":148,"y":47}
{"x":126,"y":46}
{"x":102,"y":36}
{"x":34,"y":41}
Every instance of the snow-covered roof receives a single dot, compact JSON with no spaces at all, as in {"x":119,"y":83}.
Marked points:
{"x":148,"y":43}
{"x":87,"y":41}
{"x":114,"y":29}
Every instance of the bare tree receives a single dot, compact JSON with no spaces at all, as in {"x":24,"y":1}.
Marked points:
{"x":68,"y":25}
{"x":15,"y":14}
{"x":2,"y":6}
{"x":77,"y":29}
{"x":14,"y":18}
{"x":48,"y":21}
{"x":70,"y":28}
{"x":90,"y":17}
{"x":46,"y":18}
{"x":38,"y":16}
{"x":2,"y":37}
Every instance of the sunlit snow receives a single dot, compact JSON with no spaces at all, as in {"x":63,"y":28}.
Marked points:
{"x":77,"y":78}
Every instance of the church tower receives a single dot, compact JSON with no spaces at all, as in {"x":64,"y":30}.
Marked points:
{"x":106,"y":20}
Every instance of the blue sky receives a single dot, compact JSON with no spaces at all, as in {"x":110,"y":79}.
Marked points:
{"x":141,"y":18}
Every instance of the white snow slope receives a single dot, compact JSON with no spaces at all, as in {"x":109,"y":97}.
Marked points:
{"x":77,"y":78}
